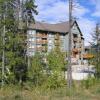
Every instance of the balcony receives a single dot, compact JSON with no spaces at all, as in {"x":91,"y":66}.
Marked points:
{"x":38,"y":41}
{"x":79,"y":49}
{"x":75,"y":50}
{"x":39,"y":35}
{"x":56,"y":36}
{"x":75,"y":39}
{"x":79,"y":39}
{"x":57,"y":43}
{"x":41,"y":42}
{"x":88,"y":56}
{"x":44,"y":41}
{"x":44,"y":35}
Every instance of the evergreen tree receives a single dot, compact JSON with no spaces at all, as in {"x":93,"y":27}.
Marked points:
{"x":96,"y":48}
{"x":56,"y":65}
{"x":37,"y":71}
{"x":29,"y":9}
{"x":15,"y":47}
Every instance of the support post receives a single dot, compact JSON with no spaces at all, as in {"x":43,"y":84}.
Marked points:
{"x":69,"y":71}
{"x":97,"y":33}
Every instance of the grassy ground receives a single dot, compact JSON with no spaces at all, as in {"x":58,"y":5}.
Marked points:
{"x":12,"y":92}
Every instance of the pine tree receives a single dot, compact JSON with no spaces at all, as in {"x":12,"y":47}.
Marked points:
{"x":36,"y":71}
{"x":15,"y":47}
{"x":56,"y":65}
{"x":96,"y":46}
{"x":29,"y":9}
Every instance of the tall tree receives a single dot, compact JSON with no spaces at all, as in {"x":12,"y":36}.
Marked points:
{"x":96,"y":48}
{"x":56,"y":66}
{"x":28,"y":11}
{"x":14,"y":58}
{"x":36,"y":71}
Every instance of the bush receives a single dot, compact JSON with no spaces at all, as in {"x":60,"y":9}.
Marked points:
{"x":88,"y":83}
{"x":55,"y":81}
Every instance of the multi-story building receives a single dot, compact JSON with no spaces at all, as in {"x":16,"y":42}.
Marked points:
{"x":43,"y":37}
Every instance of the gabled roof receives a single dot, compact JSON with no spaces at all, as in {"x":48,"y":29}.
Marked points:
{"x":59,"y":27}
{"x":62,"y":27}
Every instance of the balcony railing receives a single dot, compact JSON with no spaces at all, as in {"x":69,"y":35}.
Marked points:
{"x":75,"y":50}
{"x":88,"y":56}
{"x":38,"y":41}
{"x":40,"y":35}
{"x":44,"y":36}
{"x":41,"y":42}
{"x":75,"y":39}
{"x":44,"y":41}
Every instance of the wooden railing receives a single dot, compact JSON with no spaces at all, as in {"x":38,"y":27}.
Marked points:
{"x":75,"y":50}
{"x":41,"y":41}
{"x":41,"y":35}
{"x":88,"y":56}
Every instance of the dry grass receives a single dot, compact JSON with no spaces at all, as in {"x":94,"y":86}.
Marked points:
{"x":12,"y":92}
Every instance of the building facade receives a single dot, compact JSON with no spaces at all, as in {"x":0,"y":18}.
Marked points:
{"x":43,"y":37}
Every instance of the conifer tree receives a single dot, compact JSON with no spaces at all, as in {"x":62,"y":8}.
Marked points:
{"x":96,"y":46}
{"x":14,"y":48}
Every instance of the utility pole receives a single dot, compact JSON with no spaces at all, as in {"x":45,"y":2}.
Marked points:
{"x":28,"y":42}
{"x":69,"y":71}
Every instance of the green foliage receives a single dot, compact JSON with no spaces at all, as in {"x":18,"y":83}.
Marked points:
{"x":36,"y":71}
{"x":29,"y":8}
{"x":56,"y":64}
{"x":14,"y":47}
{"x":15,"y":92}
{"x":55,"y":81}
{"x":48,"y":70}
{"x":96,"y":49}
{"x":56,"y":60}
{"x":88,"y":82}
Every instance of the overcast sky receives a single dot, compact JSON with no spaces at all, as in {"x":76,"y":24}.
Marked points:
{"x":87,"y":13}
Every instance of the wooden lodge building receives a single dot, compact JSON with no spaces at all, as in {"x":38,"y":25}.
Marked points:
{"x":43,"y":37}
